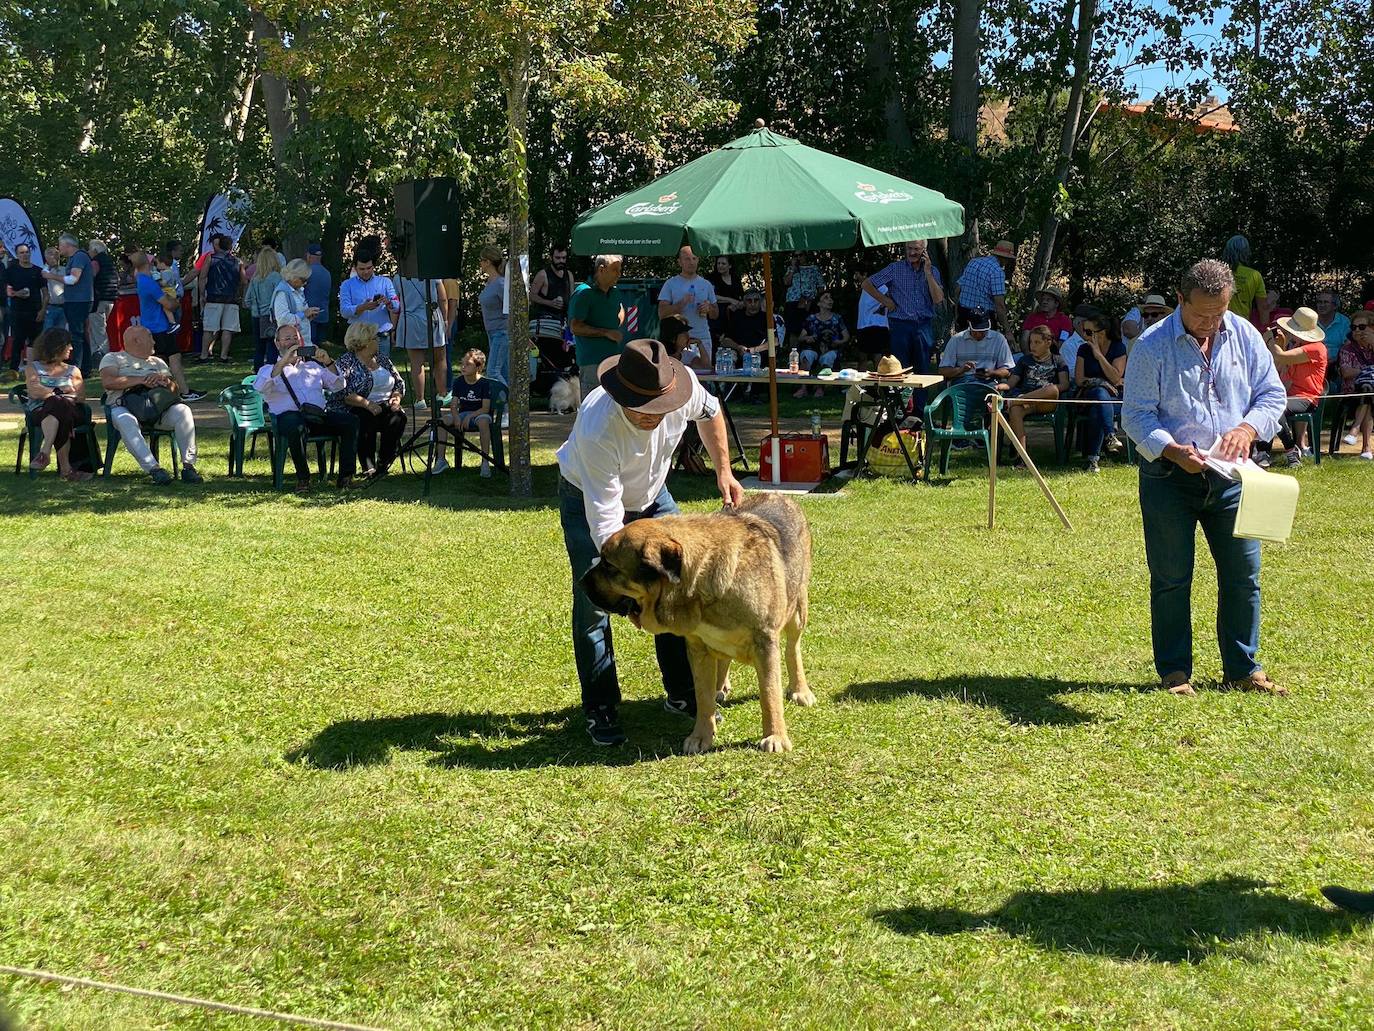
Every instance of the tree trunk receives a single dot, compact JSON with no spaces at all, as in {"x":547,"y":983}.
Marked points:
{"x":878,"y":57}
{"x":274,"y":92}
{"x":518,"y":322}
{"x":1068,"y":137}
{"x":964,"y":97}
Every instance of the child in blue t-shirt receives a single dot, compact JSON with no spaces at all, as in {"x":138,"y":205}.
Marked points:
{"x":471,"y":404}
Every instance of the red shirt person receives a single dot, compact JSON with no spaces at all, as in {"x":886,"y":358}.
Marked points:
{"x":1299,"y":349}
{"x":1047,"y":313}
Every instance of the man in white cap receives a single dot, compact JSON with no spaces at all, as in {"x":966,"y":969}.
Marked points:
{"x":614,"y":469}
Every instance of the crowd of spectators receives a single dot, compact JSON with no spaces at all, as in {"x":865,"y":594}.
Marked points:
{"x":182,"y":317}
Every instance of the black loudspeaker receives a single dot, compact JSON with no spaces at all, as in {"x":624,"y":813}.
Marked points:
{"x":427,"y":237}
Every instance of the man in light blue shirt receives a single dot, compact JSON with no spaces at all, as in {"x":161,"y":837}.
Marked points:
{"x":368,"y":297}
{"x":1202,"y":378}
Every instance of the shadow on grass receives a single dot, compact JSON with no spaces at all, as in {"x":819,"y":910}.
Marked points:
{"x":1182,"y":923}
{"x":1028,"y":700}
{"x":495,"y":741}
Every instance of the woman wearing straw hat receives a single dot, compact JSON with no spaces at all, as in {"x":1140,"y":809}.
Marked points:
{"x":614,"y":470}
{"x":1299,"y":349}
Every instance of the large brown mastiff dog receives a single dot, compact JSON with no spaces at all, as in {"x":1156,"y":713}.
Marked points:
{"x":734,"y":584}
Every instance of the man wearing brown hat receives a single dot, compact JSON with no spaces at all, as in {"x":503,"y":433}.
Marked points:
{"x":614,"y":470}
{"x":983,"y":284}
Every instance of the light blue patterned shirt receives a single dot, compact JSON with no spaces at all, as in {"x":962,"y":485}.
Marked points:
{"x":981,"y":283}
{"x":1174,"y":395}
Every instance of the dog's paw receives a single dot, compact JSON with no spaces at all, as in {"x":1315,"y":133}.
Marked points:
{"x":723,"y":693}
{"x":803,"y":697}
{"x":776,"y":743}
{"x":698,"y":744}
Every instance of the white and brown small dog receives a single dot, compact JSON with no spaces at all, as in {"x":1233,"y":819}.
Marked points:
{"x":565,"y":396}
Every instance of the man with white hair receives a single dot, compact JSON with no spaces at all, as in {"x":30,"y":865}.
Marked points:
{"x":78,"y":296}
{"x":1200,"y":379}
{"x":596,"y":317}
{"x":914,"y":291}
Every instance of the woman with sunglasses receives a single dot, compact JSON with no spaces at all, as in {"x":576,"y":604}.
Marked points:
{"x":1357,"y":377}
{"x":1099,"y":369}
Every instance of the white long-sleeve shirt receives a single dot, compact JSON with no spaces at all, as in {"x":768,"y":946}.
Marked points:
{"x":617,"y":466}
{"x":310,"y":380}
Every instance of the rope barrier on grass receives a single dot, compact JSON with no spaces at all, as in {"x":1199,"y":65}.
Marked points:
{"x":185,"y":1000}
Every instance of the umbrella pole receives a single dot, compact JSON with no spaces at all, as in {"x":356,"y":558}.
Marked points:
{"x":772,"y":364}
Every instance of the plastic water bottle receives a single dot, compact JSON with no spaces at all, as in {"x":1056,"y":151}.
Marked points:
{"x":794,"y":362}
{"x":723,"y":362}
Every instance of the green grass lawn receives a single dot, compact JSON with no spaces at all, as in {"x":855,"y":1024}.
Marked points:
{"x":323,"y":755}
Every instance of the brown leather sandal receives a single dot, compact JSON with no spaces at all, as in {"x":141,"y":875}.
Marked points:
{"x":1258,"y":682}
{"x":1177,"y":684}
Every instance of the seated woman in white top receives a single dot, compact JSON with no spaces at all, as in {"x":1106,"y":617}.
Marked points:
{"x":136,"y":368}
{"x":372,"y":393}
{"x":294,"y":390}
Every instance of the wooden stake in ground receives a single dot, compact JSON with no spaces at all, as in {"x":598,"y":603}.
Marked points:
{"x":999,"y":420}
{"x":993,"y":446}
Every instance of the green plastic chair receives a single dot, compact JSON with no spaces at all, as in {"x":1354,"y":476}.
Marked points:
{"x":1058,"y":419}
{"x":1315,"y":420}
{"x":280,"y":450}
{"x":959,"y":412}
{"x":30,"y":433}
{"x":247,"y":418}
{"x":155,"y":435}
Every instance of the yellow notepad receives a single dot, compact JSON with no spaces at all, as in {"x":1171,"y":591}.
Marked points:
{"x":1268,"y":501}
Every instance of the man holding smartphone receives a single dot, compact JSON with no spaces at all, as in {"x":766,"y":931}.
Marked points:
{"x":368,"y":297}
{"x":24,"y":292}
{"x":914,"y":291}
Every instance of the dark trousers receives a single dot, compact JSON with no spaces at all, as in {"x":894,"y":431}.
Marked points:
{"x":1173,"y":503}
{"x":593,"y":649}
{"x":24,"y":327}
{"x":388,"y":425}
{"x":265,"y":350}
{"x":911,"y":342}
{"x":68,"y":413}
{"x":1098,"y":420}
{"x":339,"y":425}
{"x":76,"y":325}
{"x":1287,"y":432}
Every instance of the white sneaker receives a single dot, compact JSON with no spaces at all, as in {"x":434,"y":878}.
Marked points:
{"x":440,"y":466}
{"x":485,"y":471}
{"x":1350,"y":438}
{"x":505,"y":421}
{"x":421,"y":405}
{"x":444,"y":401}
{"x":1368,"y":456}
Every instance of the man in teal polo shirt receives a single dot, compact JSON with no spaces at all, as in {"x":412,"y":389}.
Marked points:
{"x":596,"y":316}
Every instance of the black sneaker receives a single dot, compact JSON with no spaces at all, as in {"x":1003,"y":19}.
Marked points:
{"x":683,"y":707}
{"x":603,"y":726}
{"x":189,"y":475}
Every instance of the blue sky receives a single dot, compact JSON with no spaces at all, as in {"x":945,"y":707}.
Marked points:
{"x":1149,"y":80}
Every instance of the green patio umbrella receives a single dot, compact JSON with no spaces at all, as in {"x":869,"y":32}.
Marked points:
{"x":764,"y":193}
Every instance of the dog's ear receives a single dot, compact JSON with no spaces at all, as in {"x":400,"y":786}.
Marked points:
{"x":664,"y":557}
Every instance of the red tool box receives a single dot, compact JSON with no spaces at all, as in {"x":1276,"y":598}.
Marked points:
{"x":804,"y":458}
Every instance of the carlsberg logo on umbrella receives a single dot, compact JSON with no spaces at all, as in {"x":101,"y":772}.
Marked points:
{"x":870,"y":194}
{"x":666,"y":205}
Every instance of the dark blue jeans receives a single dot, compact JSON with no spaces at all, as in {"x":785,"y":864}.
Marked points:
{"x":1098,"y":420}
{"x":593,"y":649}
{"x":76,"y":325}
{"x":1173,"y":503}
{"x":911,"y":342}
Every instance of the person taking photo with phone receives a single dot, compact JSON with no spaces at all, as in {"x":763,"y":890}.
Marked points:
{"x":294,"y":389}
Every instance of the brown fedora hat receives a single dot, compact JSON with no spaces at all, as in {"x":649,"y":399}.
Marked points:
{"x":645,"y":378}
